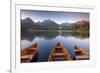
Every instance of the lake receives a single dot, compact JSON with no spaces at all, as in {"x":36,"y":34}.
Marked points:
{"x":47,"y":39}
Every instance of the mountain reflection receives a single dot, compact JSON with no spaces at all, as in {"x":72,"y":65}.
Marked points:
{"x":50,"y":34}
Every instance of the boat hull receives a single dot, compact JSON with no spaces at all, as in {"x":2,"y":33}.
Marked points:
{"x":81,"y":54}
{"x":29,"y":54}
{"x":59,"y":53}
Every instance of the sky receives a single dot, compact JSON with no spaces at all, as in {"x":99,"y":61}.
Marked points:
{"x":57,"y":16}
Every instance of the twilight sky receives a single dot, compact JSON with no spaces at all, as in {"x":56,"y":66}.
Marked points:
{"x":58,"y":17}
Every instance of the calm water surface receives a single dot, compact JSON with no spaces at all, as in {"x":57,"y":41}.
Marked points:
{"x":48,"y":39}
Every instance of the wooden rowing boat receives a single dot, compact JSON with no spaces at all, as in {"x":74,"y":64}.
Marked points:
{"x":80,"y":53}
{"x":59,"y":53}
{"x":29,"y":54}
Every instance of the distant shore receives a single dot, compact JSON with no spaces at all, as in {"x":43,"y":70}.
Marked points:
{"x":62,"y":30}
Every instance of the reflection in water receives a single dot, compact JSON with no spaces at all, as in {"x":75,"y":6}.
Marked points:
{"x":25,"y":44}
{"x":48,"y":39}
{"x":30,"y":35}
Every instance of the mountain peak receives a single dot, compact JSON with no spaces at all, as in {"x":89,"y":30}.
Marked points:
{"x":48,"y":20}
{"x":82,"y":22}
{"x":28,"y":19}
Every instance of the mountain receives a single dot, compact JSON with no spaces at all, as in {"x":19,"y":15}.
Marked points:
{"x":45,"y":25}
{"x":49,"y":22}
{"x":50,"y":25}
{"x":66,"y":26}
{"x":28,"y":23}
{"x":66,"y":23}
{"x":81,"y":25}
{"x":82,"y":22}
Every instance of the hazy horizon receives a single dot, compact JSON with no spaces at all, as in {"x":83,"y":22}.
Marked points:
{"x":56,"y":16}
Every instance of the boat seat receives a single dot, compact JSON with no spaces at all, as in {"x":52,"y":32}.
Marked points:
{"x":58,"y":58}
{"x":58,"y":50}
{"x":26,"y":56}
{"x":77,"y":50}
{"x":59,"y":54}
{"x":83,"y":57}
